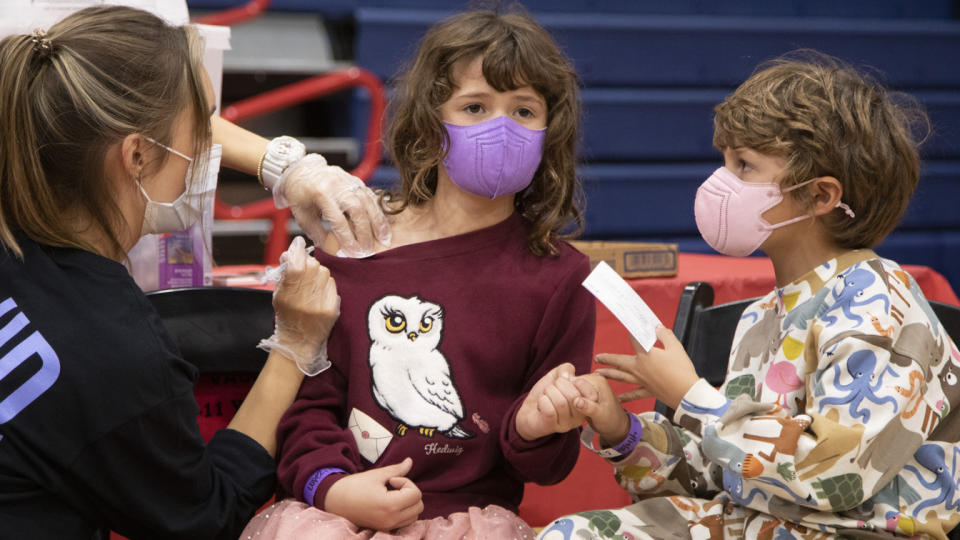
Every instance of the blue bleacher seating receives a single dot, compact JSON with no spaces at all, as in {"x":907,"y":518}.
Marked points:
{"x":679,"y":50}
{"x":652,"y":72}
{"x":652,"y":76}
{"x":849,"y":8}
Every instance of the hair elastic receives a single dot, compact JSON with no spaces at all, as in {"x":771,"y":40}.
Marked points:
{"x":41,"y":44}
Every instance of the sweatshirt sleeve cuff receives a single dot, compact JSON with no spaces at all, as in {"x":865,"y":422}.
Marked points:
{"x":519,"y":444}
{"x":702,"y":402}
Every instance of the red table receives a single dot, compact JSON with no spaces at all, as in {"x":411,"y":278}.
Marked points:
{"x":591,"y":485}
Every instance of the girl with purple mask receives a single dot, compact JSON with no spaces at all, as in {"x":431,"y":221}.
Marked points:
{"x":453,"y":354}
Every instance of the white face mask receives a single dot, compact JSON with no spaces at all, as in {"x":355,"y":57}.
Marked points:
{"x":165,"y":217}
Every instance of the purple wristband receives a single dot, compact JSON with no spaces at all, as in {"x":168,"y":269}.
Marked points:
{"x":310,"y":488}
{"x":633,"y":436}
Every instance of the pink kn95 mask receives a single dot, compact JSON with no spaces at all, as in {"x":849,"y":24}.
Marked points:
{"x":729,"y":212}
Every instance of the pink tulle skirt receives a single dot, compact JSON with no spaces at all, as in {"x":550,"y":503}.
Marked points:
{"x":294,"y":520}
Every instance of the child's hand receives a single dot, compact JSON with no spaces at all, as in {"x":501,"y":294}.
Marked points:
{"x":367,"y":501}
{"x":602,"y":408}
{"x":666,"y":374}
{"x":548,"y":408}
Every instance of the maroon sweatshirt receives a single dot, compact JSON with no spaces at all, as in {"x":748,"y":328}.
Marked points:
{"x":436,"y":347}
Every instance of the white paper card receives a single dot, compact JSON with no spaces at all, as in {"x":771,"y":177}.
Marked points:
{"x":625,"y":304}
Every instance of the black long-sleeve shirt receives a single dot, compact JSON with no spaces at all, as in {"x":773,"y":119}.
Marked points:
{"x":98,"y":426}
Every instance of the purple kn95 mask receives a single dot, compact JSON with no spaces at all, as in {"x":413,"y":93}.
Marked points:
{"x":493,"y":158}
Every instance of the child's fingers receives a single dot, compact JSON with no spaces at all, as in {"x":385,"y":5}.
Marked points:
{"x":565,"y":370}
{"x":406,"y":501}
{"x":617,"y":375}
{"x":546,"y":408}
{"x":586,"y":389}
{"x":397,"y":469}
{"x":616,"y":360}
{"x":633,"y":395}
{"x":587,"y":407}
{"x":405,"y":491}
{"x":559,"y":400}
{"x":567,"y":388}
{"x":666,"y":336}
{"x":399,"y":482}
{"x":639,"y":348}
{"x":408,"y":515}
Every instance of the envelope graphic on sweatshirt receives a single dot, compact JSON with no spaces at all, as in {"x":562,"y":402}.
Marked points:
{"x":372,"y":438}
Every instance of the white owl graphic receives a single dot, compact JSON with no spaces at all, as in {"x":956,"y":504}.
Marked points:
{"x":410,"y":377}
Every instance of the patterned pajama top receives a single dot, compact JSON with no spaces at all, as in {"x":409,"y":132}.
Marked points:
{"x":835,"y":416}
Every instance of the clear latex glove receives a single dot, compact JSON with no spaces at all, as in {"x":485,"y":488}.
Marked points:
{"x":318,"y":193}
{"x":274,"y":273}
{"x":307,"y":306}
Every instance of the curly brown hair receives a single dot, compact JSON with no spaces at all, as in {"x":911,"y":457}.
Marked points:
{"x":516,"y":52}
{"x":829,"y":119}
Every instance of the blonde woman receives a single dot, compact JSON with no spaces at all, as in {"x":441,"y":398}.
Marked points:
{"x":104,"y":136}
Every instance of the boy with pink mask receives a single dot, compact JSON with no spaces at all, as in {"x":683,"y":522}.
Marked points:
{"x":835,"y":418}
{"x":452,"y":346}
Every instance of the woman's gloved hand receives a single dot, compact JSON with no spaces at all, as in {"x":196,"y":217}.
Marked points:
{"x":318,"y":192}
{"x":307,"y":306}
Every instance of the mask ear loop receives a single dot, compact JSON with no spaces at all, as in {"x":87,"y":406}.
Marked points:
{"x":171,"y":150}
{"x":139,"y":181}
{"x":841,"y":204}
{"x":846,"y":209}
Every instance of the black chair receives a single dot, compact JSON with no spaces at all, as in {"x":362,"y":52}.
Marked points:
{"x":217,"y":328}
{"x":949,"y":317}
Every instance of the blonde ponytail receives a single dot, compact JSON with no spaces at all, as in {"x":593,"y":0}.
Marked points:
{"x":67,"y":95}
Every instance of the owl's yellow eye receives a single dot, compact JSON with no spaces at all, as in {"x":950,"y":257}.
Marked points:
{"x":395,"y":323}
{"x":426,"y":324}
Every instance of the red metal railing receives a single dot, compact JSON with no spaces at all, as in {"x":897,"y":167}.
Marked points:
{"x":294,"y":94}
{"x":237,"y":15}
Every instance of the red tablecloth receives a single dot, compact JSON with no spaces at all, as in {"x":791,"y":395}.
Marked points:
{"x":591,"y":484}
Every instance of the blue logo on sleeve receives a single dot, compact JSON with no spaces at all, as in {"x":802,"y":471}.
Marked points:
{"x":27,"y":347}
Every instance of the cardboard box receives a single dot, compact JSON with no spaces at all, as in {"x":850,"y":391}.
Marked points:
{"x":633,"y":259}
